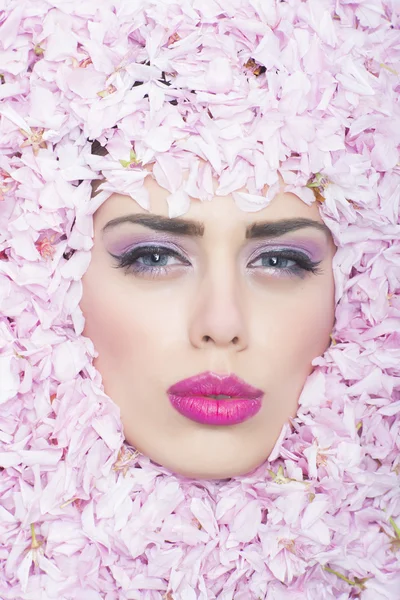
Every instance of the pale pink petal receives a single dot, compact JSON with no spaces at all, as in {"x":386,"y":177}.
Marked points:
{"x":245,"y":98}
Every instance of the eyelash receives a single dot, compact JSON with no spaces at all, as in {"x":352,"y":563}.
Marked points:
{"x":129,"y":261}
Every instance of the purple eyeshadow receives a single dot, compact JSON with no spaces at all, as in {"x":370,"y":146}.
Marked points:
{"x":128,"y":242}
{"x":312,"y":249}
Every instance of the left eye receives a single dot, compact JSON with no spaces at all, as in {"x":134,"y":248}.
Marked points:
{"x":274,"y":262}
{"x":286,"y":261}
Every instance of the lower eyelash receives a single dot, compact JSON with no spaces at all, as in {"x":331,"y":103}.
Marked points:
{"x":302,"y":271}
{"x":150,"y":271}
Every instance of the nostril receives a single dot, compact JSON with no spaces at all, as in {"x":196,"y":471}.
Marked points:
{"x":207,"y":338}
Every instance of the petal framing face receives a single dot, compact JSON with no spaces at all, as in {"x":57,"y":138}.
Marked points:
{"x":303,"y":92}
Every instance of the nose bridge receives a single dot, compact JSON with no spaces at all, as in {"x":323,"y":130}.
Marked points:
{"x":219,"y":315}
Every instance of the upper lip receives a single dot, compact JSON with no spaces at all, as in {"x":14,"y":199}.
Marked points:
{"x":212,"y":384}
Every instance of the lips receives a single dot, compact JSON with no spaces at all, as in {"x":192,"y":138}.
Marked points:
{"x":213,"y":399}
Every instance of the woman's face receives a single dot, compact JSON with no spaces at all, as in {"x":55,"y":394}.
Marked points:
{"x":218,"y":291}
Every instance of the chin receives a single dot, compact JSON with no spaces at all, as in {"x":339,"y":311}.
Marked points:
{"x":213,"y":469}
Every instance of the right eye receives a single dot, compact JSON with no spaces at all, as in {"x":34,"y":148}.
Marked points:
{"x":155,"y":259}
{"x":151,"y":260}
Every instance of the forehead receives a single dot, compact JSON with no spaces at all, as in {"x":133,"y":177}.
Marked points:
{"x":220,"y":212}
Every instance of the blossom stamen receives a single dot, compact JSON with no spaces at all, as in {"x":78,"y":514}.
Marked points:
{"x":4,"y":186}
{"x":175,"y":37}
{"x":124,"y":460}
{"x":132,"y":162}
{"x":110,"y":89}
{"x":46,"y":248}
{"x":34,"y":138}
{"x":280,"y":478}
{"x":256,"y":68}
{"x":38,"y":50}
{"x":318,"y":182}
{"x":289,"y":545}
{"x":85,"y":62}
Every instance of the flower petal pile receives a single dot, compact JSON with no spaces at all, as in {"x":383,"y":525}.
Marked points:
{"x":252,"y":92}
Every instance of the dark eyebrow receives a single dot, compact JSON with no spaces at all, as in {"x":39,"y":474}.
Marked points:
{"x":272,"y":229}
{"x":158,"y":223}
{"x":264,"y":229}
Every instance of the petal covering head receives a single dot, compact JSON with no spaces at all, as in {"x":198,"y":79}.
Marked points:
{"x":255,"y":94}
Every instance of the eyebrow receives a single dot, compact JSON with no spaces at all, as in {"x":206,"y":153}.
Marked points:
{"x":272,"y":229}
{"x":262,"y":229}
{"x":158,"y":223}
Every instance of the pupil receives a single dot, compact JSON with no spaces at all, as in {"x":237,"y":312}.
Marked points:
{"x":155,"y":258}
{"x":275,"y":262}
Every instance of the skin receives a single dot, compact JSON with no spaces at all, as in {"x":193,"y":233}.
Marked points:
{"x":211,"y":313}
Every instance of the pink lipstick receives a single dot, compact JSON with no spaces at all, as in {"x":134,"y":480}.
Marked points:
{"x":213,"y":399}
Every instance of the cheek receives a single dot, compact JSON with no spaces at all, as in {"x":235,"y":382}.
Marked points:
{"x":311,"y":322}
{"x":294,"y":328}
{"x":127,"y":324}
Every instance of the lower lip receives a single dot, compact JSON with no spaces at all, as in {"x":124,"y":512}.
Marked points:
{"x":210,"y":411}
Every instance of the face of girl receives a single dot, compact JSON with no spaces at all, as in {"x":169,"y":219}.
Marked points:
{"x":223,"y":296}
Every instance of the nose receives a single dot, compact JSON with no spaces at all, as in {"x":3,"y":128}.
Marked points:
{"x":219,"y":318}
